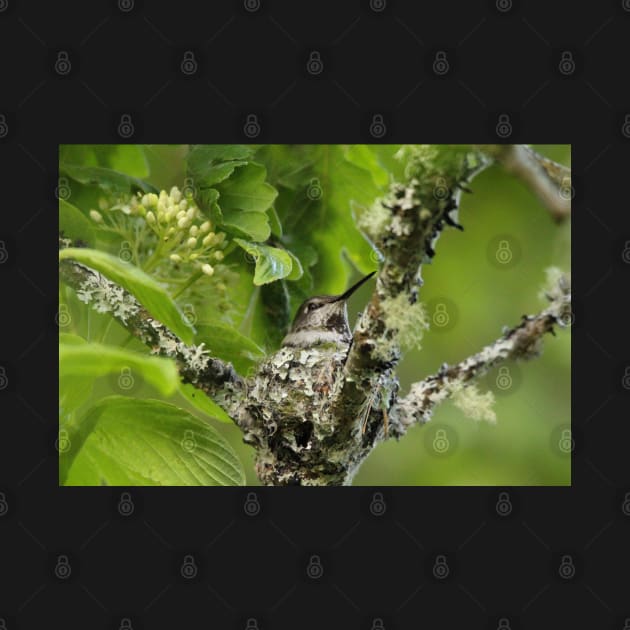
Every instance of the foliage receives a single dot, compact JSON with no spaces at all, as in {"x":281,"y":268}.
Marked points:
{"x":222,"y":253}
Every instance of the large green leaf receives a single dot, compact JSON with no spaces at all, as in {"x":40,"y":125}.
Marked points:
{"x":107,"y":179}
{"x":318,"y":187}
{"x":127,"y":441}
{"x":201,"y":401}
{"x":145,"y":289}
{"x":74,"y":224}
{"x":247,"y":190}
{"x":228,"y":344}
{"x":92,"y":360}
{"x":125,"y":158}
{"x":74,"y":389}
{"x":271,"y":263}
{"x":250,"y":225}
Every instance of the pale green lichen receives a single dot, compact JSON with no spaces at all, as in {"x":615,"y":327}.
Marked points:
{"x":473,"y":403}
{"x":374,"y":219}
{"x":557,"y":284}
{"x":405,"y":322}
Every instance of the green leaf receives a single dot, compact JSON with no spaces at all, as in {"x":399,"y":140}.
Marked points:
{"x":317,"y":186}
{"x":145,"y":289}
{"x":92,"y":360}
{"x":74,"y":390}
{"x":201,"y":401}
{"x":271,"y":263}
{"x":207,"y":200}
{"x":250,"y":225}
{"x":228,"y":344}
{"x":296,"y":271}
{"x":125,"y":158}
{"x":247,"y":190}
{"x":74,"y":224}
{"x":274,"y":222}
{"x":127,"y":441}
{"x":107,"y":179}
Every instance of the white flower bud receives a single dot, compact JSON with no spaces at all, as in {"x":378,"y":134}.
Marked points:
{"x":191,"y":212}
{"x":218,"y":255}
{"x":183,"y":223}
{"x":191,"y":242}
{"x":207,"y":269}
{"x":149,"y":200}
{"x":150,"y":218}
{"x":205,"y":227}
{"x":208,"y":239}
{"x":220,"y":238}
{"x":194,"y":230}
{"x":175,"y":195}
{"x":96,"y":216}
{"x":161,"y":205}
{"x":183,"y":204}
{"x":181,"y":214}
{"x":176,"y":258}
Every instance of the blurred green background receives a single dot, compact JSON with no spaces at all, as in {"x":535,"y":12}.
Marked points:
{"x":469,"y":296}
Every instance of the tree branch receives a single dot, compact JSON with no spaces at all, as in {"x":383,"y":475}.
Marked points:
{"x":216,"y":378}
{"x":405,"y":226}
{"x":523,"y":341}
{"x":548,"y":180}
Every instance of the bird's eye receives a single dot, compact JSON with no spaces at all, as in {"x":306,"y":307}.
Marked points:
{"x":311,"y":307}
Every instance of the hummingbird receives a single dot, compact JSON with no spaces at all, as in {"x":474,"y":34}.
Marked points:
{"x":292,"y":392}
{"x":323,"y":319}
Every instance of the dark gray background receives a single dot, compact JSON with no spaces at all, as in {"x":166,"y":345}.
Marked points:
{"x":125,"y":59}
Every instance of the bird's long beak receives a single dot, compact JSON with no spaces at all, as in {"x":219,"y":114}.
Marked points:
{"x":354,"y":287}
